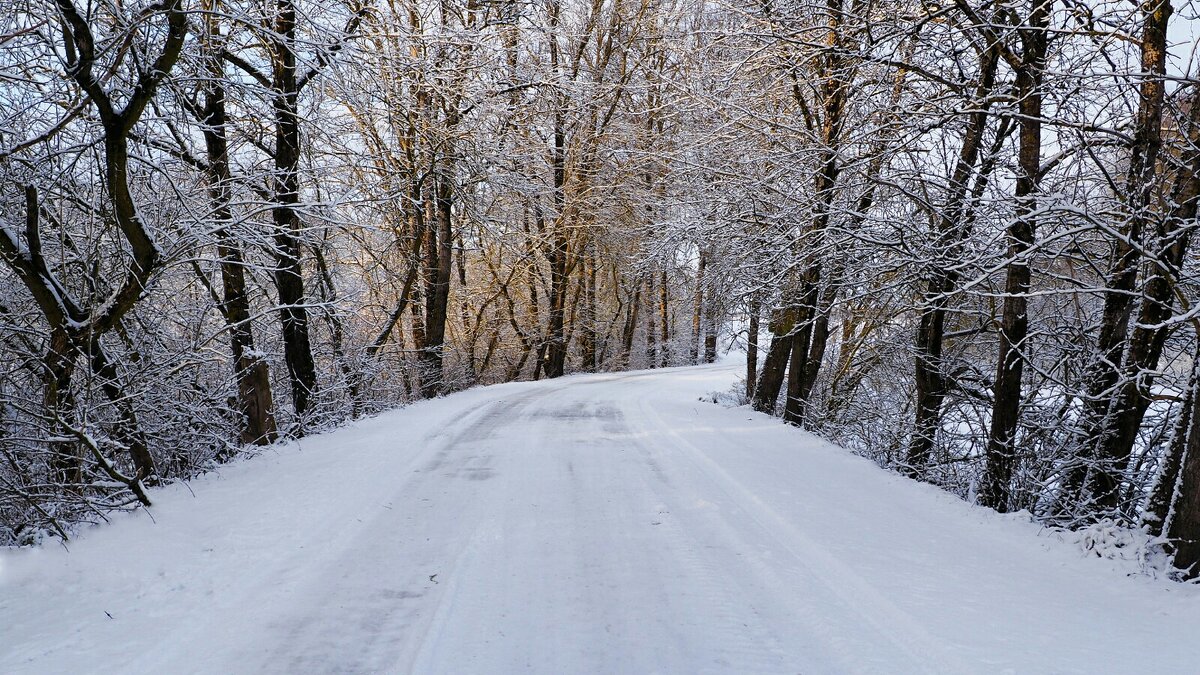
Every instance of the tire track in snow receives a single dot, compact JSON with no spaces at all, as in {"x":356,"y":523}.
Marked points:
{"x":854,"y":593}
{"x":430,"y":622}
{"x":394,"y":613}
{"x":728,"y":637}
{"x":800,"y":637}
{"x":743,"y":642}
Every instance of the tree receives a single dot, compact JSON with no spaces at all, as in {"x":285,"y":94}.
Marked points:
{"x":78,"y":327}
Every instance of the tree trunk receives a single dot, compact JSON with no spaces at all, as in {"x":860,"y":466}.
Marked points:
{"x":66,"y":460}
{"x":710,"y":339}
{"x":766,"y":393}
{"x":439,"y":258}
{"x":651,"y":329}
{"x":127,"y":431}
{"x":1180,"y":492}
{"x":255,"y":401}
{"x":1113,"y":408}
{"x":835,"y":93}
{"x":289,"y":273}
{"x":664,"y":322}
{"x":697,"y":311}
{"x":631,"y":322}
{"x":1166,"y":486}
{"x":1185,"y":197}
{"x":795,"y":372}
{"x":1014,"y":323}
{"x":556,"y":348}
{"x":818,"y":343}
{"x":587,"y":340}
{"x":930,"y":385}
{"x":952,"y":229}
{"x":1173,"y":236}
{"x":752,"y":347}
{"x":808,"y":352}
{"x":556,"y":342}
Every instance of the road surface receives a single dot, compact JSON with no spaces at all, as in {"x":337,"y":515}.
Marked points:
{"x":594,"y":524}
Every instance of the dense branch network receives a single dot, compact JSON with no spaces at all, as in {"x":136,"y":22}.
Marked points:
{"x":959,"y":235}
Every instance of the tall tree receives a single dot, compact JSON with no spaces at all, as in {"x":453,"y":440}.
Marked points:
{"x":1029,"y":66}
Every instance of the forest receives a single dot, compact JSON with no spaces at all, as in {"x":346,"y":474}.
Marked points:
{"x":954,"y":236}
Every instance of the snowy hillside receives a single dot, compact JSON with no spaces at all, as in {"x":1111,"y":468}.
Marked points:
{"x":592,"y":524}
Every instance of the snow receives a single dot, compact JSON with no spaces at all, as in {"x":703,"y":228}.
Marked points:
{"x":595,"y":524}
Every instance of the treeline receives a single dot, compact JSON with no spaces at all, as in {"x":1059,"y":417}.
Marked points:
{"x":227,"y":222}
{"x":969,"y":227}
{"x":965,"y":229}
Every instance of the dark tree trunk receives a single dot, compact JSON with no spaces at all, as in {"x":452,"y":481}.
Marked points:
{"x":587,"y":340}
{"x":1014,"y":328}
{"x":795,"y":373}
{"x":126,"y":430}
{"x":1173,"y":236}
{"x":556,"y":348}
{"x":439,"y":259}
{"x":710,"y":341}
{"x":1185,"y":196}
{"x":930,"y":384}
{"x":651,"y":329}
{"x":1014,"y":322}
{"x":631,"y":322}
{"x":752,"y":347}
{"x":1181,"y":491}
{"x":255,"y":402}
{"x":417,"y":317}
{"x":835,"y":94}
{"x":712,"y":321}
{"x":59,"y":365}
{"x":664,"y":322}
{"x":1115,"y":404}
{"x":698,"y":312}
{"x":289,"y":273}
{"x":556,"y":345}
{"x":1166,"y":487}
{"x":953,"y":227}
{"x":808,"y":351}
{"x":818,"y":343}
{"x":775,"y":365}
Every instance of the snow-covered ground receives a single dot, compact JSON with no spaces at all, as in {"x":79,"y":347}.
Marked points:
{"x":593,"y":524}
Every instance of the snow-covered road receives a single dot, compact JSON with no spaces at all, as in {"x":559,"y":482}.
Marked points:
{"x":594,"y":524}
